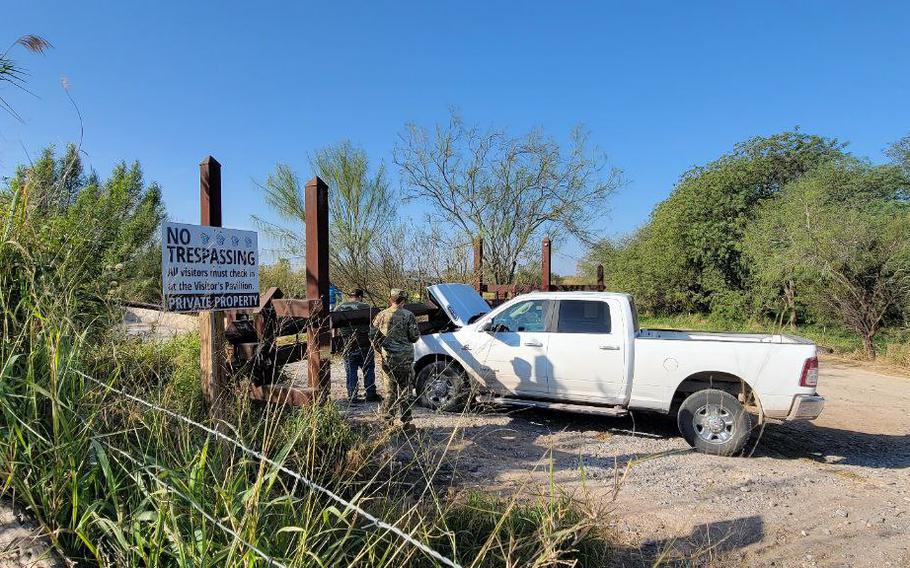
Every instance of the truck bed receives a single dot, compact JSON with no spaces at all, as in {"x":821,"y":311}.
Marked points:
{"x":685,"y":335}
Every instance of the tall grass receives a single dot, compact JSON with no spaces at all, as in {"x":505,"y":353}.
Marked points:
{"x":114,"y":483}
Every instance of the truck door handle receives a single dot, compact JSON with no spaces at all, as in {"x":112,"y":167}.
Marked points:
{"x":465,"y":347}
{"x":610,"y":347}
{"x":533,"y":343}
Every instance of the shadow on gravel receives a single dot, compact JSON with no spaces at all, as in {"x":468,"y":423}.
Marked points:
{"x":791,"y":440}
{"x":517,"y":445}
{"x":649,"y":425}
{"x":505,"y":447}
{"x":794,"y":440}
{"x":702,"y":547}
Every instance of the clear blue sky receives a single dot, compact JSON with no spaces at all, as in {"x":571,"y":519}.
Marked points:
{"x":661,"y":85}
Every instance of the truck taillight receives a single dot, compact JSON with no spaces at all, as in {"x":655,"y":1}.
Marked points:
{"x":809,"y":377}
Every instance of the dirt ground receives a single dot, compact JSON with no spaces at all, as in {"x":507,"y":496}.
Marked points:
{"x":22,"y":545}
{"x":833,"y":492}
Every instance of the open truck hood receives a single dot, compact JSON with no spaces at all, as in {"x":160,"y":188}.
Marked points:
{"x":459,"y":301}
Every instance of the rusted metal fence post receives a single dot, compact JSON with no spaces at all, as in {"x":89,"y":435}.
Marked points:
{"x":211,"y":324}
{"x":319,"y":338}
{"x":545,"y":266}
{"x":478,"y":264}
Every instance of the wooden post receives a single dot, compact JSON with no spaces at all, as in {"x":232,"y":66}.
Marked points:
{"x":545,"y":266}
{"x":211,"y":324}
{"x":600,"y":278}
{"x":478,"y":264}
{"x":319,"y":339}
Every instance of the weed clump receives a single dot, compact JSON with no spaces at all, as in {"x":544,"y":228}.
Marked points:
{"x":550,"y":531}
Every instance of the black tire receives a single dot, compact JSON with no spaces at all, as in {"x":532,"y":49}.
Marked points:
{"x":714,"y":422}
{"x":443,"y":385}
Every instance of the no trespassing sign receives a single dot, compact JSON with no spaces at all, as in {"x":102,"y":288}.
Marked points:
{"x":209,"y":268}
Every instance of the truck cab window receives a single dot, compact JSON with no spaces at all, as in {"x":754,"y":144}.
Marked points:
{"x":583,"y":316}
{"x":527,"y":316}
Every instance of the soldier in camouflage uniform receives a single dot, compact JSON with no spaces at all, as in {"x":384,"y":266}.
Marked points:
{"x":394,"y":333}
{"x":358,"y":353}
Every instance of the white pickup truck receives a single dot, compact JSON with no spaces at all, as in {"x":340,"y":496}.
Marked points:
{"x":584,"y":351}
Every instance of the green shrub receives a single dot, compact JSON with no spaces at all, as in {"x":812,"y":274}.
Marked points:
{"x":730,"y":305}
{"x":893,"y":344}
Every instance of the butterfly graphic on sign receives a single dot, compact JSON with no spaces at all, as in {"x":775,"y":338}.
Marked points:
{"x":248,"y":241}
{"x":220,"y":239}
{"x":235,"y":240}
{"x":205,"y":238}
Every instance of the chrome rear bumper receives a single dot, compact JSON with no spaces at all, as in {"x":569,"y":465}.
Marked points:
{"x":806,"y":407}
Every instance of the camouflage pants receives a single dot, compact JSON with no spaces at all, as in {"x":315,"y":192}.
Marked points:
{"x":398,"y":374}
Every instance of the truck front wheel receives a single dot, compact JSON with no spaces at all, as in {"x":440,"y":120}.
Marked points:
{"x":714,"y":422}
{"x":442,"y":385}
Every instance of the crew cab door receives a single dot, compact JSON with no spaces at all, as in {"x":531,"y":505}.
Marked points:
{"x":511,"y":355}
{"x":587,"y":352}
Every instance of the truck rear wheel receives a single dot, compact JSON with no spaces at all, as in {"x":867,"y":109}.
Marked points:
{"x":714,"y":422}
{"x":442,"y":385}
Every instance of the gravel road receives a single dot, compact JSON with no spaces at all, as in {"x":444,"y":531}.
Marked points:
{"x":833,"y":492}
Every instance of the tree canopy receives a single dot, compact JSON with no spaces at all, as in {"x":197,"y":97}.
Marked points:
{"x":508,"y":190}
{"x":363,"y":218}
{"x":836,"y":241}
{"x":789,"y":226}
{"x":691,"y":247}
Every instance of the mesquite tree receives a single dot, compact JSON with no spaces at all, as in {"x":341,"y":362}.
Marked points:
{"x":508,"y":190}
{"x":363,"y":215}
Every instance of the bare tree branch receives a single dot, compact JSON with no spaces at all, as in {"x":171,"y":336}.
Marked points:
{"x":507,"y":190}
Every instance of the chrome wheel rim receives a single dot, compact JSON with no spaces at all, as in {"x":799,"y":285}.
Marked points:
{"x":713,"y":423}
{"x":440,"y":390}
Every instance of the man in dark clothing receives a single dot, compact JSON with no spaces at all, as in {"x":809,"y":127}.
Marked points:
{"x":358,"y":353}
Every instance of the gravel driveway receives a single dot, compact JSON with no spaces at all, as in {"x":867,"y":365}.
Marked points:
{"x":833,"y":492}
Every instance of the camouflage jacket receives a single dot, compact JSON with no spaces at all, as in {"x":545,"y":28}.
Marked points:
{"x":353,"y":337}
{"x":395,"y":331}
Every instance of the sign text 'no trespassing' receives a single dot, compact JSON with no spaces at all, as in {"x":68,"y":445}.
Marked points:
{"x":209,"y":268}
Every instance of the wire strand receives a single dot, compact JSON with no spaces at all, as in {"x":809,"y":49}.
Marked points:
{"x":271,"y":561}
{"x":311,"y":484}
